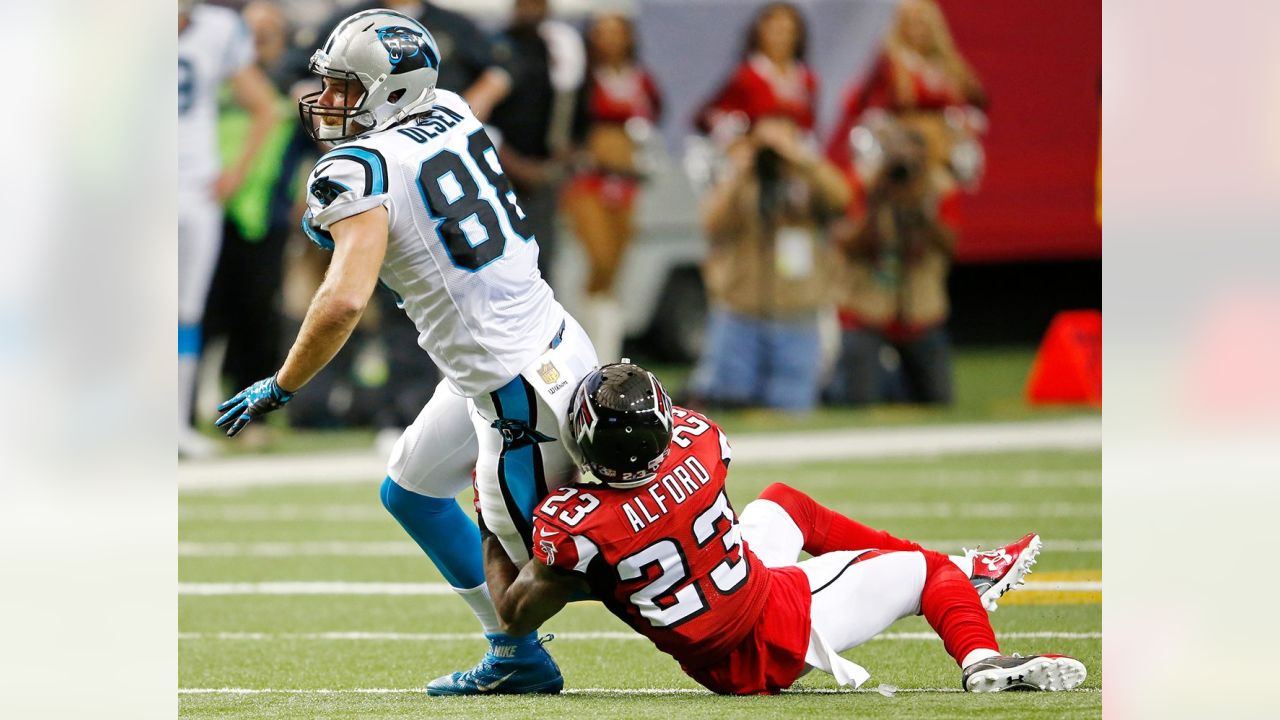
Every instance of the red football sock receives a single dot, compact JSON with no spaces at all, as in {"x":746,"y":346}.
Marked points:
{"x":826,"y":530}
{"x":953,"y":608}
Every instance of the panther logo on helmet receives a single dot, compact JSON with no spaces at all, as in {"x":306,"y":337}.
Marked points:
{"x":406,"y":48}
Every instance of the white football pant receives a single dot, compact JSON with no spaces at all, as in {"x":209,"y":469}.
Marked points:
{"x":852,"y":601}
{"x":453,"y":434}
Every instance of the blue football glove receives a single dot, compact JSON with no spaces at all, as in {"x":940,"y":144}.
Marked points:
{"x":259,"y":398}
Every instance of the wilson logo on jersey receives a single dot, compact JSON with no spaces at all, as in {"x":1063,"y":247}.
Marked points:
{"x":407,"y":49}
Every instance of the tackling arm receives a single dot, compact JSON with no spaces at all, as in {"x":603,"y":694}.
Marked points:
{"x":529,"y":597}
{"x":360,"y":242}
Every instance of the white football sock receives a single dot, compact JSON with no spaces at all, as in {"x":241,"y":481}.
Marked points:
{"x":964,"y":562}
{"x":482,"y":605}
{"x":978,"y":655}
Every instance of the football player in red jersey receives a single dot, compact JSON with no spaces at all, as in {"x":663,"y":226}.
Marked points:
{"x":660,"y":545}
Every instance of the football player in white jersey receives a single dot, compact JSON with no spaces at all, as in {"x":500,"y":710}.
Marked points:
{"x":214,"y":47}
{"x":413,"y":198}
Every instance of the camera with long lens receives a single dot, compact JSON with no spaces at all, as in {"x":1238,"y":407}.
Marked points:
{"x":768,"y":167}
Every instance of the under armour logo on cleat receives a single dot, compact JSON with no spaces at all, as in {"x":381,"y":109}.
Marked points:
{"x":992,"y":562}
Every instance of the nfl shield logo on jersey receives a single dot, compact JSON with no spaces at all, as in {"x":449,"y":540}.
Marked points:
{"x":548,"y":373}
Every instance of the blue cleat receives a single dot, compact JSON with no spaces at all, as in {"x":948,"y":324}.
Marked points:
{"x":513,"y":666}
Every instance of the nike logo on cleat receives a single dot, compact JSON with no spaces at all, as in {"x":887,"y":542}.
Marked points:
{"x":488,"y":687}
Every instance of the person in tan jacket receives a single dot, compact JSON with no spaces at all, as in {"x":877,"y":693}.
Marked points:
{"x":892,"y":289}
{"x":768,"y":270}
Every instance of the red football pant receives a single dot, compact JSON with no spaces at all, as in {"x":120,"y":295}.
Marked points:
{"x":826,"y":530}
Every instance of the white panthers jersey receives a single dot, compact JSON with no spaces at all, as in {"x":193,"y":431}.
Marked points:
{"x":461,"y":256}
{"x":215,"y":45}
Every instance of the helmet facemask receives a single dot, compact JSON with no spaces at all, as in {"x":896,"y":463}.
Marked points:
{"x":355,"y":120}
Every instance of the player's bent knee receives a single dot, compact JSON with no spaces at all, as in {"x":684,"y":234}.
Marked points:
{"x":402,"y":503}
{"x":786,"y":496}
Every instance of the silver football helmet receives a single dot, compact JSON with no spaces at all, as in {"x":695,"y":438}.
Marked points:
{"x":392,"y":57}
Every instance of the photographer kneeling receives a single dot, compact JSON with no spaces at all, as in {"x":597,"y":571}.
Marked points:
{"x":768,"y":271}
{"x":897,"y":254}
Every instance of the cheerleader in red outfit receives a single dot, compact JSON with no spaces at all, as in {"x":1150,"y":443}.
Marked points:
{"x":922,"y":80}
{"x":617,"y":105}
{"x":772,"y":78}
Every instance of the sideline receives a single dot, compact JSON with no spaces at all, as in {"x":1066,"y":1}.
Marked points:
{"x":748,"y":449}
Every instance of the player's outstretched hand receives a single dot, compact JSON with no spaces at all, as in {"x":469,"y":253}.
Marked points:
{"x":259,"y":398}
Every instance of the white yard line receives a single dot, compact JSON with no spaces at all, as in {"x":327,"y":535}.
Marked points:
{"x":372,"y":512}
{"x":314,"y":588}
{"x":408,"y":549}
{"x":619,"y":692}
{"x":390,"y":588}
{"x":300,"y":549}
{"x":748,"y":449}
{"x":565,"y":636}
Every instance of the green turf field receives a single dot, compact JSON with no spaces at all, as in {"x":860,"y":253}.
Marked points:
{"x":364,"y":656}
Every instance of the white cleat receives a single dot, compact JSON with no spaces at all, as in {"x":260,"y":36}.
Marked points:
{"x":1050,"y":673}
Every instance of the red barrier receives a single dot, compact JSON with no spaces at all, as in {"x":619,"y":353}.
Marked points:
{"x":1068,"y":368}
{"x":1041,"y":63}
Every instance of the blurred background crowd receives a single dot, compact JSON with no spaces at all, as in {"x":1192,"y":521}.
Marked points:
{"x":787,"y":205}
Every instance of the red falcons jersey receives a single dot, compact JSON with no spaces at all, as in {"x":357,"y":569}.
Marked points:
{"x":666,"y":557}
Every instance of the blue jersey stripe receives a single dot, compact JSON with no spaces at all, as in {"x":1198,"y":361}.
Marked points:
{"x":375,"y":166}
{"x":517,"y":474}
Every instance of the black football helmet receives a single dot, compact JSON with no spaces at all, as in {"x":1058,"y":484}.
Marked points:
{"x":622,"y":422}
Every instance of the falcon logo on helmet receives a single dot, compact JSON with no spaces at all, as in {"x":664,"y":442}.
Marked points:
{"x":584,"y":419}
{"x":661,"y":403}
